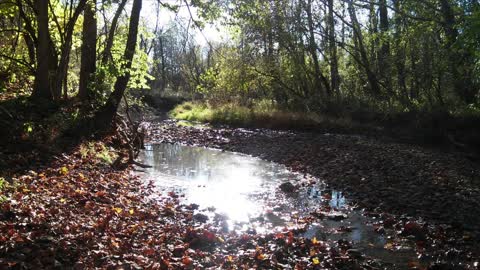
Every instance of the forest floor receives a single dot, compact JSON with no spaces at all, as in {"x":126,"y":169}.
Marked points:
{"x":73,"y":210}
{"x":63,"y":206}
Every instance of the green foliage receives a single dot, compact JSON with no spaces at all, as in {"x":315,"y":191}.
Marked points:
{"x":139,"y":72}
{"x":232,"y":78}
{"x":415,"y":67}
{"x":281,"y":51}
{"x":28,"y":127}
{"x":3,"y":186}
{"x":97,"y":151}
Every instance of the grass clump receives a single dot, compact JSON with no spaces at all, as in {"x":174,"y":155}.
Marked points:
{"x":260,"y":114}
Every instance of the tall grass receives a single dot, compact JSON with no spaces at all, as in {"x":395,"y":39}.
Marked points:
{"x":260,"y":114}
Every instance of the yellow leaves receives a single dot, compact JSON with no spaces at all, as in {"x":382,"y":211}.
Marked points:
{"x":63,"y":200}
{"x":80,"y":192}
{"x":220,"y":239}
{"x":25,"y":190}
{"x":119,"y":210}
{"x":82,"y":177}
{"x":63,"y":170}
{"x":315,"y":261}
{"x":315,"y":241}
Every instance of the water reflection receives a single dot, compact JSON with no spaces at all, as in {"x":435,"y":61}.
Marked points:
{"x":245,"y":189}
{"x":231,"y":183}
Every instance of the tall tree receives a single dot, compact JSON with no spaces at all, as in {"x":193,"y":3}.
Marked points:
{"x":319,"y":78}
{"x":332,"y":44}
{"x":384,"y":52}
{"x":360,"y":48}
{"x":89,"y":42}
{"x":65,"y":49}
{"x":400,"y":53}
{"x":105,"y":115}
{"x":106,"y":55}
{"x":460,"y":69}
{"x":41,"y":87}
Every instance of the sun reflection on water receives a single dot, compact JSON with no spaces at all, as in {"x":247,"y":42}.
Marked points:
{"x":235,"y":185}
{"x":245,"y":191}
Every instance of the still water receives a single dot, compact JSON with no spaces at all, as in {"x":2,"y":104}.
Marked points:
{"x":246,"y":191}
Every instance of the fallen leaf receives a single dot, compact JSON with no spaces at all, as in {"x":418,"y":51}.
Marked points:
{"x":63,"y":170}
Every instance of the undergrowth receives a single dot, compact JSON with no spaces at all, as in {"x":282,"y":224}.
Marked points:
{"x":432,"y":127}
{"x":260,"y":114}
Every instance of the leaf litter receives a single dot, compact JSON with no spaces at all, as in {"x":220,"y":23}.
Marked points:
{"x":79,"y":213}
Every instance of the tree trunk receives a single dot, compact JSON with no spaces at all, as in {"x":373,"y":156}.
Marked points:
{"x":384,"y":53}
{"x":334,"y":76}
{"x":42,"y":83}
{"x":106,"y":55}
{"x":31,"y":48}
{"x":373,"y":33}
{"x":105,"y":115}
{"x":400,"y":54}
{"x":360,"y":47}
{"x":89,"y":42}
{"x":65,"y":50}
{"x":164,"y":72}
{"x":318,"y":76}
{"x":460,"y":70}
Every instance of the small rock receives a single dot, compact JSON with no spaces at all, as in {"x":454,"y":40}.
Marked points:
{"x":287,"y":187}
{"x":200,"y":218}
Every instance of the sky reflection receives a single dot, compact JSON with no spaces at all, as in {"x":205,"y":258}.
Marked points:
{"x":235,"y":185}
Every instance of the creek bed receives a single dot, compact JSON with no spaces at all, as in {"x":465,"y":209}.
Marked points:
{"x":245,"y":191}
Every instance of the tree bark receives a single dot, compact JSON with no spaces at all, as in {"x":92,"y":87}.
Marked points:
{"x":334,"y":76}
{"x":42,"y":83}
{"x":384,"y":53}
{"x":163,"y":68}
{"x":400,"y":54}
{"x":88,"y":54}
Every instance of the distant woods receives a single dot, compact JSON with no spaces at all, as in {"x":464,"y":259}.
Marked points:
{"x":314,"y":54}
{"x":311,"y":55}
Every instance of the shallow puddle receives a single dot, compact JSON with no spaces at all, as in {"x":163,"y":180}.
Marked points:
{"x":245,"y":191}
